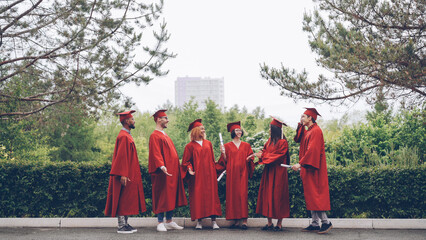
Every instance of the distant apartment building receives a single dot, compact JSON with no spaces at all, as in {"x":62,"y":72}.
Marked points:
{"x":201,"y":89}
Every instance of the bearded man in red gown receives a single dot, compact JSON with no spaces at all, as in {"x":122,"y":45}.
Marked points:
{"x":125,"y":191}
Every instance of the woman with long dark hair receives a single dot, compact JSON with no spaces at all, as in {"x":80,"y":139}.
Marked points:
{"x":273,"y":197}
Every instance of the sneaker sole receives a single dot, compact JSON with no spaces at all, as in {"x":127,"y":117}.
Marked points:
{"x":326,"y":231}
{"x":303,"y":230}
{"x":124,"y":232}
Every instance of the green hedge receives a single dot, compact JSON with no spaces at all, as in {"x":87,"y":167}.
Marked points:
{"x":70,"y":189}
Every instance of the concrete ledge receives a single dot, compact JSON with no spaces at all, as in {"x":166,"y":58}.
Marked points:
{"x":30,"y":222}
{"x":86,"y":222}
{"x":361,"y":223}
{"x":364,"y":223}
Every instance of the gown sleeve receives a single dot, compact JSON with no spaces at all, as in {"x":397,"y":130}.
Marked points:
{"x":187,"y":161}
{"x":313,"y":152}
{"x":277,"y":154}
{"x":221,"y":164}
{"x":250,"y":163}
{"x":121,"y":162}
{"x":299,"y":133}
{"x":155,"y":159}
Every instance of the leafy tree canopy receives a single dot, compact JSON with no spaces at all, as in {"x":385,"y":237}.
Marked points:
{"x":56,"y":51}
{"x":375,"y":49}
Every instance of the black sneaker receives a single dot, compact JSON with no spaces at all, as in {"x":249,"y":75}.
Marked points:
{"x":244,"y":226}
{"x":325,"y":227}
{"x":131,"y":228}
{"x":311,"y":228}
{"x":124,"y":229}
{"x":267,"y":227}
{"x":278,"y":229}
{"x":234,"y":226}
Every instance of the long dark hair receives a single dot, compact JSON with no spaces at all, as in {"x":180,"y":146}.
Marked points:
{"x":275,"y":134}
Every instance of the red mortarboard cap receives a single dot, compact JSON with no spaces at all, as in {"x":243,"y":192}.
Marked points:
{"x":125,"y":115}
{"x":277,"y":122}
{"x":234,"y":125}
{"x":312,"y":112}
{"x":159,"y":113}
{"x":194,"y":124}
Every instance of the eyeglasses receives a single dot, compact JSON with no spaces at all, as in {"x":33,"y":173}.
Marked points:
{"x":165,"y":118}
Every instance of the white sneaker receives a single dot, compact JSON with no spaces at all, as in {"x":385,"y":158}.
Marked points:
{"x":172,"y":225}
{"x":199,"y":226}
{"x":161,"y":228}
{"x":214,"y":225}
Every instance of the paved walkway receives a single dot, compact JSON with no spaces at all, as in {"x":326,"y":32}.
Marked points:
{"x":190,"y":233}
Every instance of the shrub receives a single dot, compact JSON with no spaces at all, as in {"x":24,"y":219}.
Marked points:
{"x":78,"y":189}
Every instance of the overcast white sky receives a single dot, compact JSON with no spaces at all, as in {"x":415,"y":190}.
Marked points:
{"x":230,"y":39}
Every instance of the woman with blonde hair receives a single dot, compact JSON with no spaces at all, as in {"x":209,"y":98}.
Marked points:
{"x":198,"y":161}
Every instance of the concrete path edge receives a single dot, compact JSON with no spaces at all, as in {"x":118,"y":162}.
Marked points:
{"x":359,"y":223}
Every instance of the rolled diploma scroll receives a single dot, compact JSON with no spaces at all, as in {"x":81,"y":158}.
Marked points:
{"x":287,"y":166}
{"x":221,"y":143}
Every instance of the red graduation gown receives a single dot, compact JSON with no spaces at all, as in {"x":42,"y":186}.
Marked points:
{"x":273,"y":197}
{"x":238,"y":170}
{"x":167,"y":191}
{"x":128,"y":200}
{"x":314,"y":168}
{"x":202,"y":187}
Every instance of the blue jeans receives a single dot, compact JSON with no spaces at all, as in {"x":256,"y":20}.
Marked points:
{"x":169,"y":216}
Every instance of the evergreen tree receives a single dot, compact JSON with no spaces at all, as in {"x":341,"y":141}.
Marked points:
{"x":76,"y":51}
{"x":375,"y":49}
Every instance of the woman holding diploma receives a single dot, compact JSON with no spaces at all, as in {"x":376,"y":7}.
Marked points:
{"x":198,"y":169}
{"x":239,"y":167}
{"x":273,"y":197}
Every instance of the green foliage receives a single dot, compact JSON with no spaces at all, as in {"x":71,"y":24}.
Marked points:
{"x":179,"y":122}
{"x":214,"y":124}
{"x":72,"y":137}
{"x":373,"y":49}
{"x":78,"y":189}
{"x":21,"y":139}
{"x":64,"y":132}
{"x":383,"y":140}
{"x":378,"y":192}
{"x":77,"y":51}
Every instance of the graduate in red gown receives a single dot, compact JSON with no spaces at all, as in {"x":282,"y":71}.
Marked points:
{"x":168,"y":191}
{"x":313,"y":170}
{"x":273,"y":197}
{"x":125,"y":191}
{"x":198,"y":169}
{"x":239,"y":167}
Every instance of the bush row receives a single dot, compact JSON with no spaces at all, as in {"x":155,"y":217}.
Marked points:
{"x":78,"y":189}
